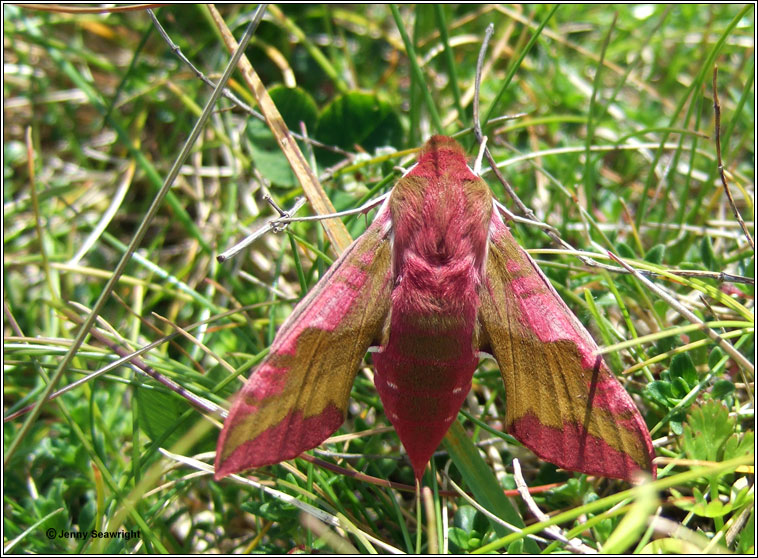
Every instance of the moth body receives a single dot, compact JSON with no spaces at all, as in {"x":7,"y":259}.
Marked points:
{"x":440,"y":213}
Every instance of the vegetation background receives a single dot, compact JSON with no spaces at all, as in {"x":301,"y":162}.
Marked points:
{"x":615,"y":148}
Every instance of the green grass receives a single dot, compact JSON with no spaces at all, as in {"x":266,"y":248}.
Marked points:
{"x":616,"y":151}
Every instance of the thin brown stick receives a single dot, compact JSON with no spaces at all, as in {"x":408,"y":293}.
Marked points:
{"x":550,"y":230}
{"x":227,"y":93}
{"x":722,"y":174}
{"x":335,"y":229}
{"x":129,"y":358}
{"x":67,"y":9}
{"x":273,"y":224}
{"x":479,"y":135}
{"x":575,"y":545}
{"x":528,"y":213}
{"x":728,"y":348}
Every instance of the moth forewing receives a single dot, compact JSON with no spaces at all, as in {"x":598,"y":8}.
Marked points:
{"x":562,"y":400}
{"x":298,"y":396}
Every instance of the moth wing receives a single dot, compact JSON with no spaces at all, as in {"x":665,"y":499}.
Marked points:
{"x":299,"y":394}
{"x":563,"y":402}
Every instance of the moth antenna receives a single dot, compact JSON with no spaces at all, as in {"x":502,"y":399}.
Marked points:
{"x":480,"y":155}
{"x":379,"y":200}
{"x":267,"y":198}
{"x":276,"y":224}
{"x":510,"y":216}
{"x":405,"y":171}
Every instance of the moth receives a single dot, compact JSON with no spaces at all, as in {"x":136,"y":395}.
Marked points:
{"x":435,"y":280}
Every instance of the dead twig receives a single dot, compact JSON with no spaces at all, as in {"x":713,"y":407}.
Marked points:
{"x":722,"y":174}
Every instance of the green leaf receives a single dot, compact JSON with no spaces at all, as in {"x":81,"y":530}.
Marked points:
{"x":464,"y":518}
{"x":572,"y":492}
{"x":661,"y":307}
{"x":266,"y":155}
{"x":459,"y":538}
{"x":357,"y":119}
{"x":655,"y":254}
{"x":624,"y":250}
{"x":707,"y":254}
{"x":741,"y":493}
{"x":715,"y":357}
{"x":295,"y":105}
{"x":705,"y":508}
{"x":666,"y":344}
{"x":746,"y":544}
{"x":660,"y":392}
{"x":707,"y":428}
{"x":714,"y":509}
{"x":679,"y":387}
{"x":676,"y":427}
{"x":604,"y":528}
{"x":159,"y":411}
{"x":683,"y":367}
{"x":481,"y":481}
{"x":722,"y":389}
{"x":271,"y":510}
{"x":737,"y":445}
